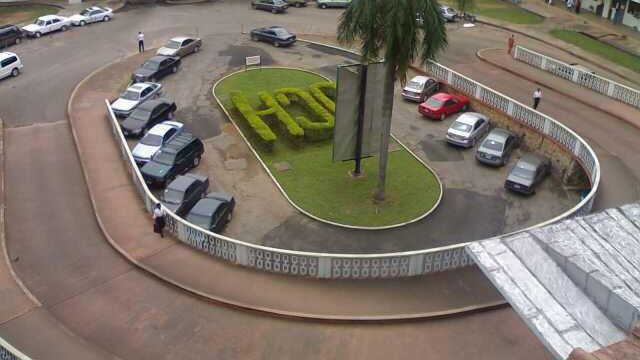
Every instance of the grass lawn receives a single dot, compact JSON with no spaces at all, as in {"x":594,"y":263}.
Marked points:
{"x":322,"y":187}
{"x":24,"y":13}
{"x":598,"y":48}
{"x":506,"y":11}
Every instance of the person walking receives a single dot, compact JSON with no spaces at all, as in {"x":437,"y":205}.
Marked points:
{"x":537,"y":95}
{"x":140,"y":41}
{"x":158,"y":219}
{"x":510,"y":42}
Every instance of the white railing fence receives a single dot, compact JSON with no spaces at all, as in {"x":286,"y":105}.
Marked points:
{"x":566,"y":71}
{"x":8,"y":352}
{"x":364,"y":266}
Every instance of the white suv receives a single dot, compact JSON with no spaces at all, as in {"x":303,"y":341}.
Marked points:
{"x":10,"y":64}
{"x":46,"y":24}
{"x":91,"y":15}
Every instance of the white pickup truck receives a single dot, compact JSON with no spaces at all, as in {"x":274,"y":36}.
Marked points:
{"x":46,"y":24}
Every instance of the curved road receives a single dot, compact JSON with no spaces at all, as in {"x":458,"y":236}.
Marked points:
{"x":85,"y":287}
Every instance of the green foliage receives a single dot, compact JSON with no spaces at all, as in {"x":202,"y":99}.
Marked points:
{"x":465,"y":5}
{"x":264,"y":134}
{"x":318,"y":91}
{"x":293,"y":130}
{"x":314,"y":130}
{"x":507,"y":11}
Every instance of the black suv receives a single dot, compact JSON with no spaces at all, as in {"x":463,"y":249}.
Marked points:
{"x":155,"y":68}
{"x":184,"y":192}
{"x":9,"y":35}
{"x":145,"y":116}
{"x":275,"y":6}
{"x":176,"y":157}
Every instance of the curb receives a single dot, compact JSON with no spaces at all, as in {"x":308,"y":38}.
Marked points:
{"x":480,"y":56}
{"x":284,"y":193}
{"x":549,"y":43}
{"x":236,"y":304}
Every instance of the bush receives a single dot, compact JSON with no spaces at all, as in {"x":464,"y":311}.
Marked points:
{"x":295,"y":132}
{"x":264,"y":134}
{"x":313,"y":130}
{"x":317,"y":92}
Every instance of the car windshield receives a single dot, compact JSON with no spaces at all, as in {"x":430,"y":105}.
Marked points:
{"x":172,"y":44}
{"x":199,"y":220}
{"x":493,"y":145}
{"x":281,"y":32}
{"x":524,"y":170}
{"x":434,"y":103}
{"x":165,"y":158}
{"x":414,"y":85}
{"x":152,"y":140}
{"x":172,"y":196}
{"x":39,"y":22}
{"x":130,"y":95}
{"x":461,"y":127}
{"x":150,"y":65}
{"x":84,"y":12}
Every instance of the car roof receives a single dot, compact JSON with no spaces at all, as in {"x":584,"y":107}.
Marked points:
{"x":533,"y":159}
{"x":156,"y":59}
{"x":138,"y":87}
{"x":7,"y":54}
{"x":179,"y":142}
{"x":181,"y":183}
{"x":420,"y":79}
{"x":470,"y":118}
{"x":499,"y":134}
{"x":179,"y":38}
{"x":48,"y":17}
{"x":163,"y":127}
{"x":151,"y":104}
{"x":95,"y":8}
{"x":220,"y":196}
{"x":206,"y":206}
{"x":7,"y":26}
{"x":442,"y":96}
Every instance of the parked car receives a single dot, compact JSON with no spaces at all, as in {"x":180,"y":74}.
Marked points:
{"x":156,"y":68}
{"x":497,"y":147}
{"x":323,"y":4}
{"x":528,"y":172}
{"x":297,"y":3}
{"x":10,"y":65}
{"x":154,"y":139}
{"x":419,"y":88}
{"x":449,"y":14}
{"x":135,"y":95}
{"x":440,"y":105}
{"x":184,"y":192}
{"x":46,"y":24}
{"x":467,"y":129}
{"x":180,"y":46}
{"x":213,"y":212}
{"x":91,"y":15}
{"x":10,"y":35}
{"x":276,"y":35}
{"x":176,"y":157}
{"x":275,"y":6}
{"x":145,"y":116}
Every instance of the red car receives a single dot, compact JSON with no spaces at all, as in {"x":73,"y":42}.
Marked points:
{"x":441,"y":105}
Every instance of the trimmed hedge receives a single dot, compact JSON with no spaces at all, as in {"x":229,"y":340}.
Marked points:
{"x":264,"y":134}
{"x":317,"y":92}
{"x":313,"y":130}
{"x":295,"y":132}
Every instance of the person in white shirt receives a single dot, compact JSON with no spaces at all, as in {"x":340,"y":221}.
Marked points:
{"x":140,"y":41}
{"x":537,"y":95}
{"x":158,"y":219}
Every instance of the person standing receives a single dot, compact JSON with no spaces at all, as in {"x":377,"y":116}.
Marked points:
{"x":537,"y":95}
{"x":140,"y":41}
{"x":578,"y":4}
{"x":158,"y":219}
{"x":510,"y":42}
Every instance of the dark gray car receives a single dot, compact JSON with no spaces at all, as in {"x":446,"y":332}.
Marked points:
{"x":496,"y":148}
{"x":528,"y":172}
{"x":213,"y":212}
{"x":184,"y":192}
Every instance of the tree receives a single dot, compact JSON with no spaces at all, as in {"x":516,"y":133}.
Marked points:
{"x":465,"y":5}
{"x":402,"y":31}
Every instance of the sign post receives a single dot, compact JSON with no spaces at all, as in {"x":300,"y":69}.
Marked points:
{"x":251,"y":60}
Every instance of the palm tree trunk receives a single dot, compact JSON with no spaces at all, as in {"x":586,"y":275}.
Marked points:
{"x":387,"y":110}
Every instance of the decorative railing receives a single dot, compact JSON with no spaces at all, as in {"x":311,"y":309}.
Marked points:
{"x":589,"y":80}
{"x":8,"y":352}
{"x":364,"y":266}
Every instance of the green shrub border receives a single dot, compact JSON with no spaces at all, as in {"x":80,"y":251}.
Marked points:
{"x":264,"y":134}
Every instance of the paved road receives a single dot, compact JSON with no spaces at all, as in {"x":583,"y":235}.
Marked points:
{"x":63,"y":259}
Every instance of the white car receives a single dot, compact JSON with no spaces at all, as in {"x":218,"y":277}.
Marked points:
{"x":468,"y":129}
{"x":91,"y":15}
{"x":135,"y":95}
{"x":154,"y":139}
{"x":10,"y":64}
{"x":46,"y":24}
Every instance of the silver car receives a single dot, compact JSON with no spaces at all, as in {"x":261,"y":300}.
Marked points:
{"x":528,"y":172}
{"x":497,"y":147}
{"x":467,"y":129}
{"x":420,"y":88}
{"x":448,"y":13}
{"x":135,"y":95}
{"x":154,"y":139}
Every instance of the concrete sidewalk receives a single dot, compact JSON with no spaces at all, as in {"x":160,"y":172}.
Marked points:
{"x":125,"y":222}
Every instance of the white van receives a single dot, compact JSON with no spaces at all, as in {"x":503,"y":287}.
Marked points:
{"x":10,"y":64}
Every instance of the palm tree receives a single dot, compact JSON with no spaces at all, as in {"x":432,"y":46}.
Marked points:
{"x":401,"y":31}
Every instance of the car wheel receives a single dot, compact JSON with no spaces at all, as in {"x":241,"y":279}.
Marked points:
{"x":15,"y":72}
{"x":82,"y":23}
{"x":38,"y":34}
{"x":18,"y":41}
{"x":174,"y":69}
{"x":196,"y":161}
{"x":323,"y":6}
{"x":274,"y":11}
{"x":64,"y":28}
{"x":196,"y":49}
{"x":276,"y":44}
{"x":106,"y":18}
{"x":442,"y":116}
